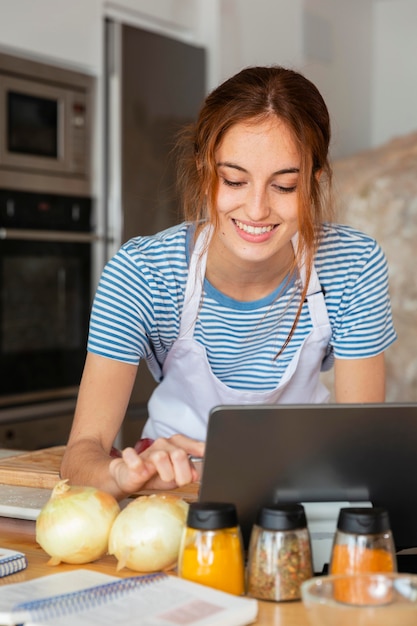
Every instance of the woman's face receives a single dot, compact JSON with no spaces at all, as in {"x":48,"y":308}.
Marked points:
{"x":258,"y":167}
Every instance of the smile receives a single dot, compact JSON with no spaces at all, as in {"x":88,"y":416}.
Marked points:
{"x":254,"y":230}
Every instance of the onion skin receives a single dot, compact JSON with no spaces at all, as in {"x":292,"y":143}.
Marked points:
{"x":146,"y":535}
{"x":74,"y":525}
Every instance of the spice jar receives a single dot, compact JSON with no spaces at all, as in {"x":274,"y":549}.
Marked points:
{"x":211,"y":550}
{"x":363,"y":542}
{"x":279,"y":557}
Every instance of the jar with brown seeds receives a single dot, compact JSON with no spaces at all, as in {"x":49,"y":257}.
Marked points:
{"x":279,"y":557}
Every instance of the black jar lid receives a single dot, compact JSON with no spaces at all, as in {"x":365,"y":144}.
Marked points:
{"x":282,"y":517}
{"x":363,"y":520}
{"x":212,"y":515}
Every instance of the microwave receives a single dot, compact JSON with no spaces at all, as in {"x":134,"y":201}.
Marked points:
{"x":45,"y":127}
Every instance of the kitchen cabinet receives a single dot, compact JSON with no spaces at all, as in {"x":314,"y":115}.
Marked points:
{"x":59,"y":32}
{"x":36,"y":433}
{"x":71,"y":33}
{"x":181,"y":14}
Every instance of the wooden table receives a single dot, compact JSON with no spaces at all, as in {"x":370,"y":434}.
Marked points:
{"x":20,"y":535}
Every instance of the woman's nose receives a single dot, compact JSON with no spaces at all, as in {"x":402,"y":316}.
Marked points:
{"x":258,"y":207}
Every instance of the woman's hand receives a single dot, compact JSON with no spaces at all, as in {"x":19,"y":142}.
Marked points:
{"x":165,"y":464}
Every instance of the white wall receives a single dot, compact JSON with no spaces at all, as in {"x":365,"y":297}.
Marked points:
{"x":259,"y":32}
{"x":330,"y":41}
{"x":338,"y":59}
{"x":394,"y":104}
{"x":360,"y":53}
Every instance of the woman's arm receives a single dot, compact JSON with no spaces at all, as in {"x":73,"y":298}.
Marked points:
{"x":360,"y":380}
{"x":104,"y":394}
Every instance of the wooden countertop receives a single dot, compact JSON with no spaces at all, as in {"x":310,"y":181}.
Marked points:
{"x":20,"y":535}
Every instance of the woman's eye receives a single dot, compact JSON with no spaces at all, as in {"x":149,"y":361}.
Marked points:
{"x":233,"y":183}
{"x":282,"y":189}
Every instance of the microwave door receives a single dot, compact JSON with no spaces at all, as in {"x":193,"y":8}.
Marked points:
{"x":35,"y":122}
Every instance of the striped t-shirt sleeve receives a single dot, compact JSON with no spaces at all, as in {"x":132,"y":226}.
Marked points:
{"x":137,"y":306}
{"x":358,"y":299}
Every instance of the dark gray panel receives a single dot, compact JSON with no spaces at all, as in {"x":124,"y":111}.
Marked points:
{"x":308,"y":453}
{"x":163,"y":85}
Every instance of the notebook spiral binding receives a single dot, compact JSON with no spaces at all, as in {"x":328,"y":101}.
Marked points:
{"x":12,"y":564}
{"x":66,"y":604}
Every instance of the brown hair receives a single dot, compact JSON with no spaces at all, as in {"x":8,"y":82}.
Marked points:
{"x":256,"y":93}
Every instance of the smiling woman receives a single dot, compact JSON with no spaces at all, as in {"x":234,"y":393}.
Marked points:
{"x":245,"y":302}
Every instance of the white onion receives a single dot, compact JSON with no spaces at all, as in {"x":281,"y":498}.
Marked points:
{"x":74,"y":525}
{"x":146,"y":535}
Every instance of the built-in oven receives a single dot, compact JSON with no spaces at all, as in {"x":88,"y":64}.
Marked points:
{"x":45,"y":299}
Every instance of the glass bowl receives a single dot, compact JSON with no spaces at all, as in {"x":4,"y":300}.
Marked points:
{"x":361,"y":600}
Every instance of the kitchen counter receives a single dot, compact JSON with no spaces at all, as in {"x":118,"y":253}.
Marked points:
{"x":21,"y":504}
{"x":20,"y":535}
{"x":4,"y":453}
{"x":18,"y":500}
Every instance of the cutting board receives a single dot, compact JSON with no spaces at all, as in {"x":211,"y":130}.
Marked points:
{"x":39,"y":468}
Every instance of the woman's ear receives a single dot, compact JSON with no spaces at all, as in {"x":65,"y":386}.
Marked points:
{"x":317,"y":174}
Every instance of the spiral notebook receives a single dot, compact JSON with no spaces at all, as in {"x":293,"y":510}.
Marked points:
{"x":11,"y":562}
{"x":87,"y":598}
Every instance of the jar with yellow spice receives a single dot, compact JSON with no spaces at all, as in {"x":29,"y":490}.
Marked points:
{"x":211,"y":550}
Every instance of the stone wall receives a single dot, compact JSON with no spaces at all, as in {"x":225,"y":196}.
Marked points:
{"x":376,"y":192}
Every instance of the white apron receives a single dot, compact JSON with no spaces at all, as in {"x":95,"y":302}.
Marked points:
{"x":189,"y":390}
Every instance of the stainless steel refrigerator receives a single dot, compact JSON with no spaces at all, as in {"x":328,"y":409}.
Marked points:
{"x":155,"y":84}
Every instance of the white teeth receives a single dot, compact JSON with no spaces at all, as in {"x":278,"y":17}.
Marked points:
{"x":253,"y":230}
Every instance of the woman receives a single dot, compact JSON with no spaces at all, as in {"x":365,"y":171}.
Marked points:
{"x":245,"y":302}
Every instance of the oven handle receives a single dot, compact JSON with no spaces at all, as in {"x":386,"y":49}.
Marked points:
{"x":48,"y":235}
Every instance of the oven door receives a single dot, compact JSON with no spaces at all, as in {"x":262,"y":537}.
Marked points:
{"x":44,"y":311}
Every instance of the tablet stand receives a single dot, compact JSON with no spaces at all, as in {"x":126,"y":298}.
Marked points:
{"x":322,"y":522}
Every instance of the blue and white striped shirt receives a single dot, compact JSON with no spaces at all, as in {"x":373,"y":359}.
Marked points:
{"x":137,"y":308}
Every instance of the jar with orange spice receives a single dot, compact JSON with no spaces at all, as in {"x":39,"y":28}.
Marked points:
{"x":363,"y":542}
{"x":211,"y":550}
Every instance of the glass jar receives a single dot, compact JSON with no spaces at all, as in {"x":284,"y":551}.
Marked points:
{"x":279,"y":557}
{"x":211,"y":550}
{"x":363,"y":542}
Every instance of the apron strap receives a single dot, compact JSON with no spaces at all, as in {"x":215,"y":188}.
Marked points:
{"x":195,"y":280}
{"x":315,"y":295}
